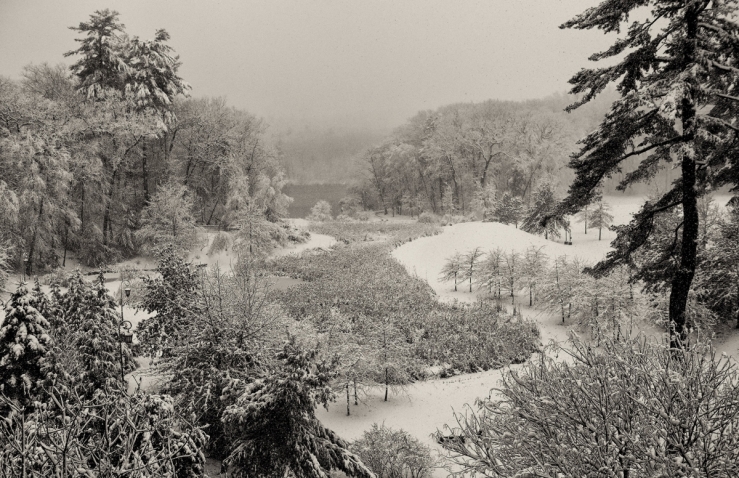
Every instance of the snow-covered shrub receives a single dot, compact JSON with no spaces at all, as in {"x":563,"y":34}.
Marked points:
{"x":428,"y":217}
{"x":59,"y":276}
{"x":345,"y":218}
{"x":295,"y":234}
{"x":393,"y":453}
{"x":168,"y":219}
{"x":320,"y":212}
{"x":629,"y":408}
{"x":109,"y":434}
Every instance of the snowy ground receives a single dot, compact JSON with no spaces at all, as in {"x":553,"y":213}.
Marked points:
{"x":427,"y":406}
{"x":424,"y":407}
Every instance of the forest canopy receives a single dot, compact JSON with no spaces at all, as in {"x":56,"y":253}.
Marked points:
{"x":83,"y":153}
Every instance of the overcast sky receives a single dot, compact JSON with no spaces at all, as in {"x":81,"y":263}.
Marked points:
{"x":332,"y":60}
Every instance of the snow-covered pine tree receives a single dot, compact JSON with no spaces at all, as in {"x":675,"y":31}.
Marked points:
{"x":508,"y":209}
{"x":274,"y":428}
{"x":541,"y":216}
{"x":601,"y":217}
{"x":24,"y":345}
{"x":91,"y":321}
{"x":676,"y":69}
{"x":174,"y":298}
{"x":718,"y":281}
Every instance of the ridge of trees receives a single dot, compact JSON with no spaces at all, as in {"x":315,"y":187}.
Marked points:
{"x":84,"y":153}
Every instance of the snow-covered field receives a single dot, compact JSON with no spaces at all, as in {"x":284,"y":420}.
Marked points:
{"x":427,"y":406}
{"x":424,"y":407}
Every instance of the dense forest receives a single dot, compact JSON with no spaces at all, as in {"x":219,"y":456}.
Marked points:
{"x":94,"y":159}
{"x":458,"y":158}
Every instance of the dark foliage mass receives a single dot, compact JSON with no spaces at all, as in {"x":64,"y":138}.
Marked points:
{"x":678,"y":106}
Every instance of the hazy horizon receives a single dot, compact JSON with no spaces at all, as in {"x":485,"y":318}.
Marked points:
{"x":331,"y":63}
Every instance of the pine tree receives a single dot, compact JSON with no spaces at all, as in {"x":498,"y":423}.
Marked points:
{"x":91,"y":324}
{"x":103,"y":64}
{"x":601,"y":217}
{"x":678,"y":104}
{"x":174,"y":298}
{"x":583,"y":216}
{"x":274,"y":428}
{"x":24,"y":345}
{"x":508,"y":210}
{"x":540,"y":217}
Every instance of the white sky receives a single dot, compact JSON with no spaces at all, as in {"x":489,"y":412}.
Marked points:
{"x":332,"y":61}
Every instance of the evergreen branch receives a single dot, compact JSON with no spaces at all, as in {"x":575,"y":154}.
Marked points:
{"x":728,"y":97}
{"x":720,"y":121}
{"x":722,"y":67}
{"x":637,"y":152}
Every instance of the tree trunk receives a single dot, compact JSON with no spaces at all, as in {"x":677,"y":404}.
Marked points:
{"x":32,"y":249}
{"x":600,"y":231}
{"x":66,"y":241}
{"x":531,"y":296}
{"x":145,"y":172}
{"x":82,"y":212}
{"x":683,"y":278}
{"x":106,"y":215}
{"x":347,"y":399}
{"x":356,"y":401}
{"x":386,"y":383}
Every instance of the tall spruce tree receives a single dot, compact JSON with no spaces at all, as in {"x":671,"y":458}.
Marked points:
{"x":103,"y":61}
{"x":676,"y":69}
{"x":24,"y":343}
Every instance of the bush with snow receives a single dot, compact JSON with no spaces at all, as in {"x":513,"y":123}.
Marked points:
{"x":428,"y":217}
{"x":393,"y":453}
{"x":629,"y":408}
{"x":320,"y":212}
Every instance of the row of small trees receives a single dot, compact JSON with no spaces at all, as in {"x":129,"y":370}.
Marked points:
{"x":559,"y":286}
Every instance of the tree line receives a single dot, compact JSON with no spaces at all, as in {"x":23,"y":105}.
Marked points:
{"x":84,"y":152}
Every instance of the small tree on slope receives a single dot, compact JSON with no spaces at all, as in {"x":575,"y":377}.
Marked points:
{"x":471,"y":264}
{"x":24,"y":344}
{"x":452,"y":269}
{"x":678,"y":104}
{"x":543,"y":207}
